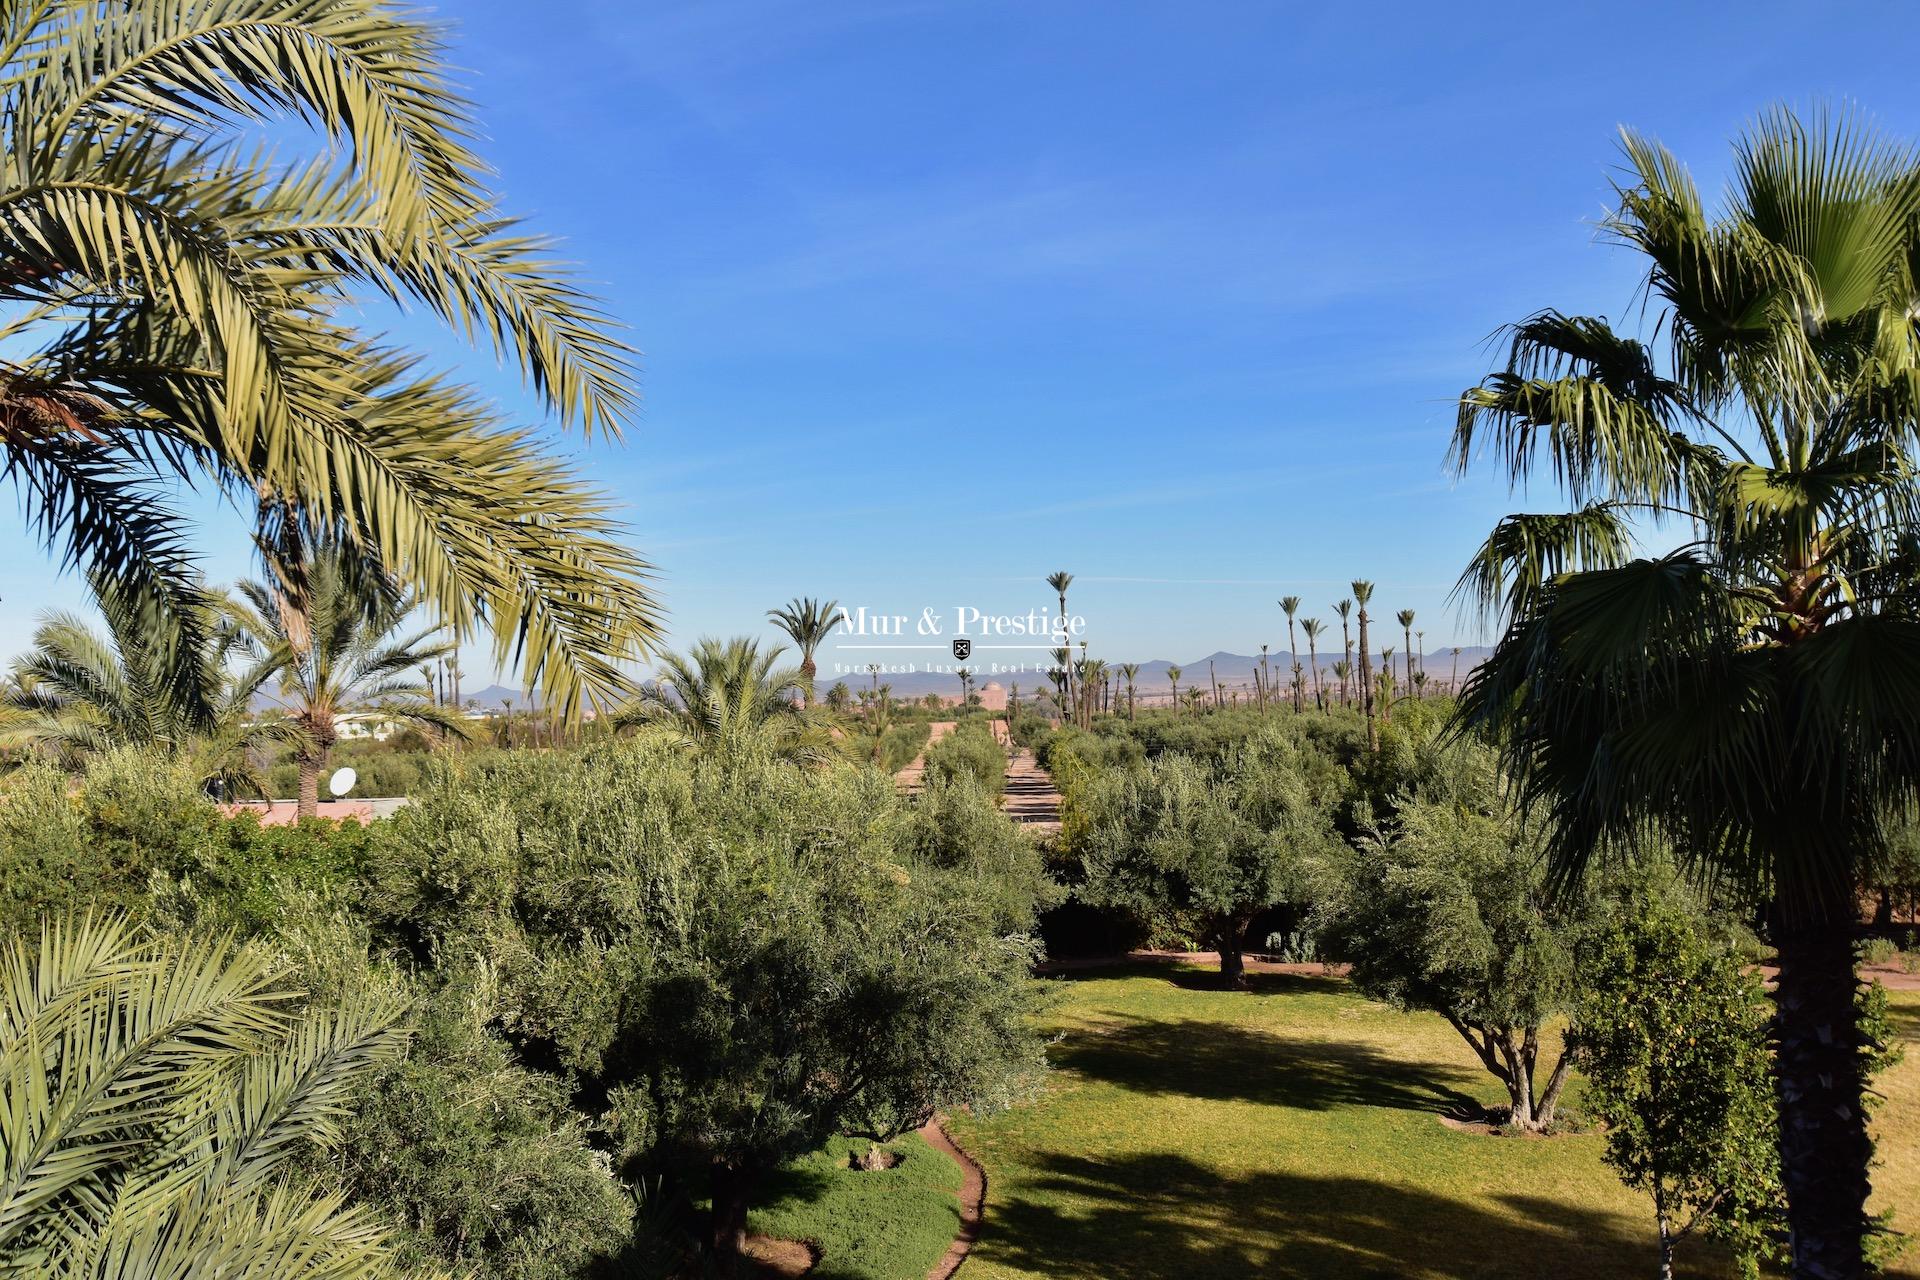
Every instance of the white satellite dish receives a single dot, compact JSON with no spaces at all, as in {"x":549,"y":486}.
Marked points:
{"x":342,"y":782}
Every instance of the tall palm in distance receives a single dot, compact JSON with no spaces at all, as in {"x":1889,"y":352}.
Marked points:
{"x":1290,"y":605}
{"x":807,"y":622}
{"x":1129,"y":671}
{"x":217,"y":338}
{"x":1362,"y":595}
{"x":1754,"y":695}
{"x":331,"y":631}
{"x":1405,"y":618}
{"x":1311,"y":628}
{"x":1063,"y":677}
{"x":1173,"y":678}
{"x":1345,"y":608}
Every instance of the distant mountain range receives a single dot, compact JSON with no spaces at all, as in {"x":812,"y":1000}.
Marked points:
{"x":1232,"y":670}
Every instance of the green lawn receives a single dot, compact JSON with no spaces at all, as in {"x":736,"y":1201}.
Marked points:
{"x":1293,"y":1132}
{"x":887,"y":1224}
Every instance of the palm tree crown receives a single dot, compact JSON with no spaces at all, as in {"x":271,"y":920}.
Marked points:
{"x":334,"y":638}
{"x":79,"y":691}
{"x":216,"y":332}
{"x":728,"y":695}
{"x":807,"y":622}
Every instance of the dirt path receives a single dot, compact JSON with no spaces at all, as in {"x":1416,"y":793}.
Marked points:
{"x":1032,"y":800}
{"x":973,"y":1198}
{"x":908,"y":779}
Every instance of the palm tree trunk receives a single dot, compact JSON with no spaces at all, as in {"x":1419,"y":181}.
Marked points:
{"x":807,"y":670}
{"x":1409,"y":662}
{"x":1366,"y":686}
{"x":312,"y":762}
{"x":1313,"y":663}
{"x":1294,"y":650}
{"x":1824,"y":1148}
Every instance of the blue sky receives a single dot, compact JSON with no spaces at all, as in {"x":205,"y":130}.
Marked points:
{"x":936,"y":298}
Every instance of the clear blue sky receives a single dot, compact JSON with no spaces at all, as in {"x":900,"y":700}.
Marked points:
{"x":936,"y":298}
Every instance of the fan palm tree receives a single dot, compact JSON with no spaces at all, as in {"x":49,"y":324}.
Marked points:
{"x":1129,"y":671}
{"x":155,"y":1100}
{"x":807,"y":622}
{"x":1173,"y":678}
{"x":78,"y":691}
{"x":1753,"y":694}
{"x":331,"y":631}
{"x":185,"y":307}
{"x":1312,"y":627}
{"x":726,"y":696}
{"x":1362,"y":595}
{"x":1060,"y":582}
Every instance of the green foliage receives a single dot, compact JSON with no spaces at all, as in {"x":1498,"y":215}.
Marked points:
{"x":970,"y":751}
{"x":877,"y":1224}
{"x":137,"y":825}
{"x":1446,"y":908}
{"x":729,"y":949}
{"x":152,"y":1097}
{"x":1176,"y":838}
{"x":898,"y":747}
{"x":1671,"y":1032}
{"x":135,"y":813}
{"x":486,"y":1163}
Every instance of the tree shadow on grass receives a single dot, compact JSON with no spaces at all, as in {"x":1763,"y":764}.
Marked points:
{"x":1905,"y":1021}
{"x":1151,"y":1216}
{"x":1219,"y":1061}
{"x":1265,"y":984}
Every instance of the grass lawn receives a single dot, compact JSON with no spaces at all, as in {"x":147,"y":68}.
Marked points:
{"x":887,"y":1224}
{"x":1294,"y":1132}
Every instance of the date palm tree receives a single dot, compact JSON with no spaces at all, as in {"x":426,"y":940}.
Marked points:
{"x":1344,"y":608}
{"x":1453,"y":681}
{"x":1344,"y":670}
{"x":807,"y":622}
{"x":1290,"y":606}
{"x":184,"y":306}
{"x":333,"y":633}
{"x":1063,"y":677}
{"x":1173,"y":678}
{"x":1405,"y":618}
{"x":78,"y":691}
{"x":725,"y":696}
{"x":1754,"y":693}
{"x":1129,"y":671}
{"x":1312,"y":627}
{"x":1362,"y":595}
{"x":156,"y":1100}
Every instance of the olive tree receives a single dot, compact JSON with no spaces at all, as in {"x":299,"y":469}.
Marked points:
{"x":1444,"y":907}
{"x":1214,"y":844}
{"x":1671,"y":1033}
{"x":731,"y":955}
